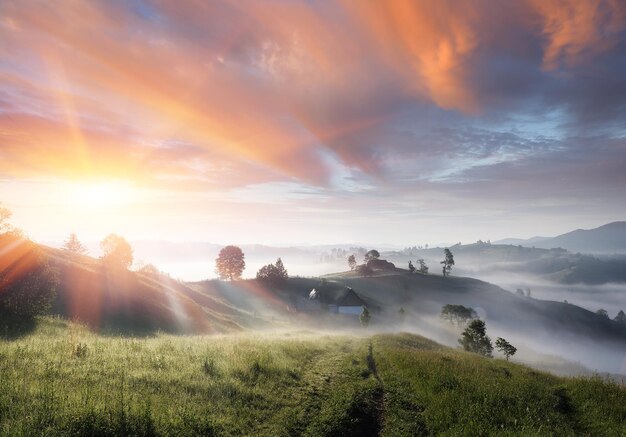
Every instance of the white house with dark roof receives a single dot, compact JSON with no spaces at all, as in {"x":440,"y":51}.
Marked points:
{"x":349,"y":303}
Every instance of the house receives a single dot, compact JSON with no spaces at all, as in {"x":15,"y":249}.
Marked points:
{"x":348,"y":303}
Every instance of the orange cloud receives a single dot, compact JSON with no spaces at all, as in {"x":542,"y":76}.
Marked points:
{"x":578,"y":29}
{"x":272,"y":86}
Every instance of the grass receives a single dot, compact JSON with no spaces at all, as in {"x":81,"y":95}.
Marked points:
{"x":62,"y":379}
{"x":431,"y":389}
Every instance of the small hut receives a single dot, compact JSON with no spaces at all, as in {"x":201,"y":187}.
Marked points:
{"x":350,"y":303}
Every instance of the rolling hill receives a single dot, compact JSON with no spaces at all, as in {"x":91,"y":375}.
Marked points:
{"x":65,"y":380}
{"x":111,"y":300}
{"x":553,"y":264}
{"x":606,"y":239}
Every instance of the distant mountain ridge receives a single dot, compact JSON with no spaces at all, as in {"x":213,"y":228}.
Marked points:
{"x":606,"y":239}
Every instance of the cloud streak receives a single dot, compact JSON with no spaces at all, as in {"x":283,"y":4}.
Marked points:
{"x":346,"y":97}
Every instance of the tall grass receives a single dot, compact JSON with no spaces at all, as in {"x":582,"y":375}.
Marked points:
{"x":62,"y":379}
{"x":65,"y":380}
{"x":435,"y":390}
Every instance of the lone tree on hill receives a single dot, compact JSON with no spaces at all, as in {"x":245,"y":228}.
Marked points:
{"x":352,"y":262}
{"x":117,"y":251}
{"x":365,"y":317}
{"x":230,"y":263}
{"x":74,"y":246}
{"x":475,"y":339}
{"x":401,"y":313}
{"x":620,"y":318}
{"x":411,"y":267}
{"x":423,"y":267}
{"x":505,"y":347}
{"x":602,"y":313}
{"x":372,"y":254}
{"x":447,"y":262}
{"x":273,"y":274}
{"x":458,"y":314}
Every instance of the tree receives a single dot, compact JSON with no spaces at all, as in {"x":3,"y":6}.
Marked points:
{"x":423,"y":267}
{"x":230,"y":263}
{"x":372,"y":254}
{"x":620,"y":317}
{"x":73,"y":246}
{"x":401,"y":313}
{"x":25,"y":292}
{"x":602,"y":313}
{"x":5,"y":215}
{"x":364,"y":270}
{"x":520,"y":292}
{"x":273,"y":274}
{"x":117,"y":251}
{"x":475,"y":339}
{"x":150,"y":269}
{"x":457,"y":314}
{"x":282,"y":271}
{"x":365,"y":317}
{"x":352,"y":262}
{"x":505,"y":347}
{"x":411,"y":267}
{"x":447,"y":262}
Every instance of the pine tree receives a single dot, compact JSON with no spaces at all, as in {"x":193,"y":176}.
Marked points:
{"x":74,"y":246}
{"x":280,"y":268}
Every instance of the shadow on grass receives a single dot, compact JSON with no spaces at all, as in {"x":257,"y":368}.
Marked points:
{"x":14,"y":329}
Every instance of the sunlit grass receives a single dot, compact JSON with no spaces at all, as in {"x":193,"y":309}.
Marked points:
{"x":63,"y":379}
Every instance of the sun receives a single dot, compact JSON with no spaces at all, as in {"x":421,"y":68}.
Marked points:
{"x":100,"y":194}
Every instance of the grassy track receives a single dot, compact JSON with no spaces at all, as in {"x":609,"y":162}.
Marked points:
{"x":64,"y":380}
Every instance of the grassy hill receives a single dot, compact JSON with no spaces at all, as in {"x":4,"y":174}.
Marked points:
{"x":546,"y":326}
{"x":66,"y":380}
{"x":116,"y":301}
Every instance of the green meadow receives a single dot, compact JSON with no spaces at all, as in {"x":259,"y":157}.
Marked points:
{"x":62,"y":379}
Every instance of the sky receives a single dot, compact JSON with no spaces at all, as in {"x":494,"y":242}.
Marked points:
{"x":287,"y":122}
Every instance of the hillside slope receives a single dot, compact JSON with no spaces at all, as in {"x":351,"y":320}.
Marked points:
{"x":545,"y":326}
{"x":121,"y":300}
{"x":285,"y":384}
{"x":117,"y":300}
